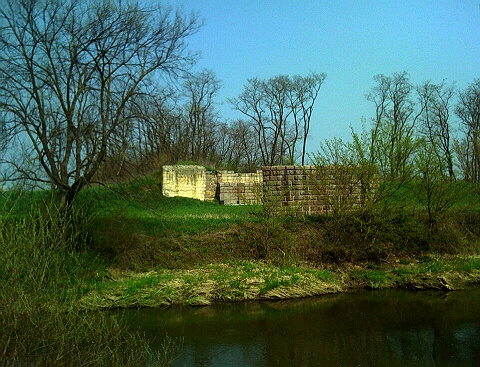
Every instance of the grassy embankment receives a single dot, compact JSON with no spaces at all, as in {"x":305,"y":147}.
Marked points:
{"x":128,"y":246}
{"x":182,"y":251}
{"x":158,"y":251}
{"x":46,"y":267}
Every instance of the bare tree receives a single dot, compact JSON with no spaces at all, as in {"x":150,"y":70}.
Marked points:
{"x":435,"y":101}
{"x":280,"y":111}
{"x":69,"y":72}
{"x":243,"y":153}
{"x":146,"y":140}
{"x":468,"y":110}
{"x":392,"y":138}
{"x":201,"y":117}
{"x":251,"y":102}
{"x":276,"y":100}
{"x":302,"y":98}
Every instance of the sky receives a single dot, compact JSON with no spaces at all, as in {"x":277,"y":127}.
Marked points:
{"x":350,"y":40}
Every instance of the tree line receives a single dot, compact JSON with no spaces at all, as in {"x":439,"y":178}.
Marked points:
{"x":420,"y":149}
{"x":431,"y":121}
{"x":93,"y":91}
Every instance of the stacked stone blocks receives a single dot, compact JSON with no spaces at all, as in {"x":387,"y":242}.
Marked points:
{"x":211,"y":190}
{"x":281,"y":189}
{"x":185,"y":181}
{"x":238,"y":188}
{"x":310,"y":189}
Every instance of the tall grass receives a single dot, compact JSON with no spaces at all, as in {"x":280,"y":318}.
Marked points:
{"x":136,"y":227}
{"x":44,"y":268}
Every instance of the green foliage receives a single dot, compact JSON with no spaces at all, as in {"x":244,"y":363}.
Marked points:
{"x":325,"y":275}
{"x":135,"y":227}
{"x":411,"y":199}
{"x":437,"y":190}
{"x":139,"y":228}
{"x":45,"y":269}
{"x":372,"y":278}
{"x":352,"y":167}
{"x":470,"y":265}
{"x":192,"y":163}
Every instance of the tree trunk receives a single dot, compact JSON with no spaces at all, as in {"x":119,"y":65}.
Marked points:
{"x":68,"y":195}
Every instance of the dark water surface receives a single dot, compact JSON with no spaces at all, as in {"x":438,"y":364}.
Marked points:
{"x":380,"y":328}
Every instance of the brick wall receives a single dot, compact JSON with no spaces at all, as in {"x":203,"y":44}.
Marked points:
{"x":196,"y":182}
{"x":311,"y":190}
{"x":239,"y":188}
{"x":287,"y":189}
{"x":210,"y":185}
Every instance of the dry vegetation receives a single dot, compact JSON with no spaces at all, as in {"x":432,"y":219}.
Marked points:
{"x":257,"y":280}
{"x":135,"y":248}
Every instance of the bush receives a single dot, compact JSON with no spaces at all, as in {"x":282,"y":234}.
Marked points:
{"x":45,"y":268}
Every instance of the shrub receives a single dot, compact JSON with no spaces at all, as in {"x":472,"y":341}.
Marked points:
{"x":45,"y":268}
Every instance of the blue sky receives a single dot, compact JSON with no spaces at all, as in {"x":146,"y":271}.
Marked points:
{"x":350,"y":41}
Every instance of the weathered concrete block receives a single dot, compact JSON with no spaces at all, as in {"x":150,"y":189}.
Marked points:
{"x":306,"y":189}
{"x":184,"y":180}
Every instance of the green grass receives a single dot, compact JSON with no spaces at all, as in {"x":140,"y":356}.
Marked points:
{"x":133,"y":224}
{"x":136,"y":227}
{"x":411,"y":194}
{"x":284,"y":276}
{"x":45,"y":269}
{"x":324,"y":275}
{"x":434,"y":266}
{"x":149,"y":212}
{"x":404,"y":272}
{"x":470,"y":265}
{"x":193,"y":253}
{"x":373,"y":279}
{"x":141,"y":201}
{"x":236,"y":281}
{"x":135,"y":284}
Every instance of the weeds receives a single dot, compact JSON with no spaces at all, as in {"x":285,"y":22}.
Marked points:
{"x":470,"y":265}
{"x":51,"y":264}
{"x":324,"y":275}
{"x":136,"y":228}
{"x":45,"y":269}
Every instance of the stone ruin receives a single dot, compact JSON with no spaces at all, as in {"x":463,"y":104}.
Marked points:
{"x":196,"y":182}
{"x":288,"y":189}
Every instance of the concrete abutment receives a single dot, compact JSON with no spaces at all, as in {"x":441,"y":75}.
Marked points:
{"x":298,"y":189}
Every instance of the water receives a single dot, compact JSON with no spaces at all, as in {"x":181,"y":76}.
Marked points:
{"x":381,"y":328}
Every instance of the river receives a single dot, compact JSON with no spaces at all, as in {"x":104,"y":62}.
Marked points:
{"x":366,"y":328}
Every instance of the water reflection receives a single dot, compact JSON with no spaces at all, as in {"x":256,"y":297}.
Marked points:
{"x":382,"y":328}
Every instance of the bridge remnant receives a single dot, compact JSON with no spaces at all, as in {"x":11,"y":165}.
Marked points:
{"x":296,"y":189}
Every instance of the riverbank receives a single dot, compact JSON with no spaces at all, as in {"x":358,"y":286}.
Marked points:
{"x":256,"y":280}
{"x":185,"y":252}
